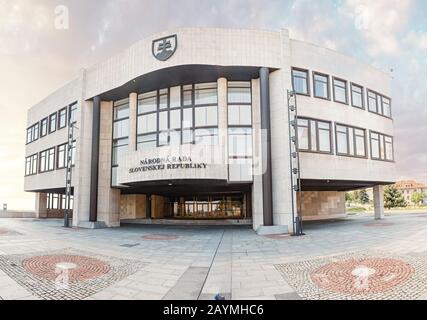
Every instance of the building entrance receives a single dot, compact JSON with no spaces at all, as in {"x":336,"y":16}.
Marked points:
{"x":210,"y":207}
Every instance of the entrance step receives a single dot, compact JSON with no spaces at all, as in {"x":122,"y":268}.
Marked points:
{"x":182,"y":222}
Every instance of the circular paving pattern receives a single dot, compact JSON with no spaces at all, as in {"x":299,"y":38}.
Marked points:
{"x":160,"y":237}
{"x":365,"y":275}
{"x":79,"y":268}
{"x":379,"y":224}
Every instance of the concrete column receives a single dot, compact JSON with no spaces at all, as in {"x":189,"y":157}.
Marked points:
{"x":108,"y":208}
{"x":96,"y":122}
{"x":257,"y":206}
{"x":223,"y":117}
{"x":81,"y":181}
{"x":379,"y":202}
{"x":41,"y":205}
{"x":267,"y":191}
{"x":133,"y":117}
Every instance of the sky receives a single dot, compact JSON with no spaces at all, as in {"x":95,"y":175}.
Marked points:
{"x":40,"y":52}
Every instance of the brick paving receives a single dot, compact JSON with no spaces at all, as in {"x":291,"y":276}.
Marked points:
{"x":360,"y":275}
{"x":88,"y":273}
{"x":156,"y":262}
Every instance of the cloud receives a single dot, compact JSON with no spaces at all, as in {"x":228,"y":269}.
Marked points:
{"x":380,"y":23}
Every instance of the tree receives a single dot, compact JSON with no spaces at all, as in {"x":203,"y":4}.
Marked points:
{"x":393,"y":198}
{"x":418,"y":197}
{"x":363,"y":196}
{"x":348,"y":197}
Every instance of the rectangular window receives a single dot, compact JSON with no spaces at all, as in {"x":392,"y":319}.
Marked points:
{"x":381,"y":147}
{"x":120,"y":147}
{"x":239,"y":92}
{"x":175,"y":119}
{"x":121,"y":115}
{"x":300,"y":81}
{"x":357,"y":96}
{"x":206,"y":136}
{"x":187,"y":120}
{"x":239,"y":115}
{"x":62,"y":156}
{"x":314,"y":135}
{"x":52,"y":122}
{"x":321,"y":86}
{"x":44,"y":127}
{"x":147,"y":141}
{"x":31,"y":165}
{"x":62,"y":118}
{"x":163,"y":99}
{"x":372,"y":102}
{"x":240,"y":142}
{"x":187,"y":95}
{"x":206,"y":116}
{"x":47,"y":160}
{"x":386,"y":107}
{"x":147,"y":123}
{"x":340,"y":90}
{"x":73,"y":113}
{"x":205,"y":93}
{"x":147,"y":102}
{"x":32,"y":133}
{"x":351,"y":141}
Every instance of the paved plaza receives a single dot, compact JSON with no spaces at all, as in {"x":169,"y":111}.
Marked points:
{"x":355,"y":258}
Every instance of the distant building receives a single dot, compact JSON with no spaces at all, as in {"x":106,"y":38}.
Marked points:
{"x":409,"y":187}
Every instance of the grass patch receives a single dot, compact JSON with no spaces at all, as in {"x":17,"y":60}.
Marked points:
{"x":356,"y":209}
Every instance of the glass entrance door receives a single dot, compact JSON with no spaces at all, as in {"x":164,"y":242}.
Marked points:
{"x":210,"y":207}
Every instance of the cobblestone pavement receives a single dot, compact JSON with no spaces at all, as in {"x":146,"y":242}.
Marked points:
{"x":356,"y":258}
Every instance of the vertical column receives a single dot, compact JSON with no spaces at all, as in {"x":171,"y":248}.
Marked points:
{"x":41,"y":205}
{"x":223,"y":118}
{"x":133,"y":114}
{"x":257,"y":198}
{"x":379,"y":202}
{"x":93,"y":206}
{"x":108,"y":207}
{"x":266,"y":149}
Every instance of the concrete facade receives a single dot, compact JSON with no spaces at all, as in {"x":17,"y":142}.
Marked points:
{"x":220,"y":56}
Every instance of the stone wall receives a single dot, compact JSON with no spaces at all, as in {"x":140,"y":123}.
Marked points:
{"x":323,"y":205}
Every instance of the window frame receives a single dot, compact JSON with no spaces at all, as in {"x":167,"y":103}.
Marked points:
{"x":380,"y":106}
{"x":72,"y":108}
{"x":345,"y":88}
{"x":352,"y":84}
{"x":315,"y":73}
{"x":59,"y":118}
{"x":308,"y":84}
{"x":52,"y":130}
{"x":310,"y":149}
{"x":348,"y":128}
{"x":33,"y":169}
{"x":381,"y":136}
{"x":41,"y":127}
{"x":58,"y":167}
{"x":47,"y":161}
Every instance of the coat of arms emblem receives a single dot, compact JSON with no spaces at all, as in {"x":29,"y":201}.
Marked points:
{"x":164,"y":48}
